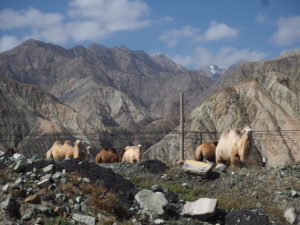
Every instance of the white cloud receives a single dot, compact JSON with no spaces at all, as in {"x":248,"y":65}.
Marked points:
{"x":288,"y":31}
{"x":113,"y":15}
{"x":219,"y":31}
{"x":86,"y":30}
{"x":30,"y":17}
{"x":87,"y":20}
{"x":224,"y":58}
{"x":8,"y":42}
{"x":216,"y":31}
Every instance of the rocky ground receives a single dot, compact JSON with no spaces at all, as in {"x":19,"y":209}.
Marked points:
{"x":38,"y":191}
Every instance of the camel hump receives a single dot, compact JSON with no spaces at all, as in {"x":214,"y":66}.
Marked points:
{"x":57,"y":142}
{"x":67,"y":142}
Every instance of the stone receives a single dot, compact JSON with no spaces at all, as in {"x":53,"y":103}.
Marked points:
{"x":57,"y":175}
{"x":84,"y":207}
{"x":77,"y":207}
{"x":89,"y":220}
{"x":290,"y":215}
{"x":58,"y":211}
{"x":186,"y":185}
{"x":51,"y":187}
{"x":151,"y":203}
{"x":159,"y":221}
{"x":220,"y":167}
{"x":19,"y":181}
{"x":19,"y":157}
{"x":156,"y":188}
{"x":27,"y":216}
{"x":39,"y":220}
{"x":294,"y":193}
{"x":44,"y":183}
{"x":78,"y":199}
{"x":246,"y":217}
{"x":33,"y":199}
{"x":47,"y":176}
{"x":48,"y":169}
{"x":164,"y":176}
{"x":11,"y":207}
{"x":1,"y":154}
{"x":203,"y":208}
{"x":6,"y":188}
{"x":170,"y":196}
{"x":101,"y":216}
{"x":20,"y":166}
{"x":43,"y":209}
{"x":61,"y":198}
{"x":197,"y":167}
{"x":86,"y":180}
{"x":171,"y":210}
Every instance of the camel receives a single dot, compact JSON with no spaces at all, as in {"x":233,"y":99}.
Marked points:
{"x":206,"y":151}
{"x":107,"y":155}
{"x":61,"y":152}
{"x":233,"y":148}
{"x":132,"y":154}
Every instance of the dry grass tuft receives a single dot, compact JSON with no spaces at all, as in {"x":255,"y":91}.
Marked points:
{"x":74,"y":178}
{"x":101,"y":199}
{"x":5,"y":176}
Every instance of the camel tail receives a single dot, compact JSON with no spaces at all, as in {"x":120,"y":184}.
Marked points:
{"x":201,"y":156}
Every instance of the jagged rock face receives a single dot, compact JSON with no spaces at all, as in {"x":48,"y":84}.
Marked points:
{"x":152,"y":83}
{"x":31,"y":119}
{"x":110,"y":89}
{"x":267,"y":99}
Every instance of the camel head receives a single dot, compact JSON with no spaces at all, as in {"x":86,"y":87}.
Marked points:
{"x":77,"y":142}
{"x":247,"y":130}
{"x":139,"y":146}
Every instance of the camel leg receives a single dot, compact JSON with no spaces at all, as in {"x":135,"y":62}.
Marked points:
{"x":219,"y":160}
{"x":235,"y":161}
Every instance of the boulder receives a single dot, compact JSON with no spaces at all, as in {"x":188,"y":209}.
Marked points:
{"x":151,"y":203}
{"x":197,"y":167}
{"x":246,"y":217}
{"x":89,"y":220}
{"x":203,"y":208}
{"x":48,"y":169}
{"x":290,"y":215}
{"x":11,"y":207}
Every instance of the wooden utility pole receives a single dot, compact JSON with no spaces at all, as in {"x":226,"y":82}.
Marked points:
{"x":181,"y":127}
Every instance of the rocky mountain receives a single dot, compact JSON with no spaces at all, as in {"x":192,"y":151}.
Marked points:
{"x":264,"y":95}
{"x":31,"y":119}
{"x":114,"y":89}
{"x":213,"y":71}
{"x":152,"y":83}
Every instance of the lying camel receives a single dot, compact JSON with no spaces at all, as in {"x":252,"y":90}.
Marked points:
{"x":107,"y":155}
{"x":206,"y":151}
{"x":132,"y":154}
{"x":233,"y":148}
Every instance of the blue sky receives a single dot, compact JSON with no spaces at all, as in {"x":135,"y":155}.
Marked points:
{"x":194,"y":33}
